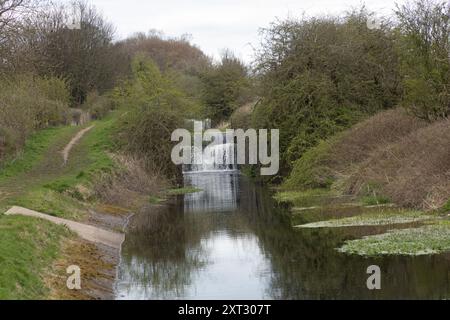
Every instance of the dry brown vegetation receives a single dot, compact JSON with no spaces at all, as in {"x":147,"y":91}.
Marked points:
{"x":337,"y":157}
{"x":392,"y":154}
{"x":98,"y":272}
{"x":413,"y":171}
{"x":356,"y":144}
{"x":124,"y":186}
{"x":242,"y":117}
{"x":30,"y":103}
{"x":168,"y":53}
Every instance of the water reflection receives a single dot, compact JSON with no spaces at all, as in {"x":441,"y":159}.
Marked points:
{"x":220,"y":192}
{"x":233,"y":242}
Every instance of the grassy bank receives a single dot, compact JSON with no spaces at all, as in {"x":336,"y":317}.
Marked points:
{"x":390,"y":157}
{"x":34,"y":151}
{"x":306,"y":198}
{"x":37,"y":179}
{"x":27,"y":248}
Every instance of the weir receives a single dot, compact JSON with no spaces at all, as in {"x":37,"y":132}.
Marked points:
{"x":212,"y":158}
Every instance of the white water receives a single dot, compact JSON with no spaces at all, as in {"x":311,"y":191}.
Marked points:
{"x":219,"y":157}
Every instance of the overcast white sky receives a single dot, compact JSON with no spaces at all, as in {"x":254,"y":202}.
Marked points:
{"x":218,"y":24}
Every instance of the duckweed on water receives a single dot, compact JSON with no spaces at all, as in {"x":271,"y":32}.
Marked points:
{"x":430,"y":239}
{"x":372,"y":219}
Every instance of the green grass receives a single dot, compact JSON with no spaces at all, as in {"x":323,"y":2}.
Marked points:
{"x":39,"y":163}
{"x":27,"y":248}
{"x":374,"y":200}
{"x":172,"y":192}
{"x":311,"y":170}
{"x":53,"y":203}
{"x":385,"y":217}
{"x":307,"y":198}
{"x":156,"y":200}
{"x":34,"y":151}
{"x":88,"y":158}
{"x":430,"y":239}
{"x":37,"y":180}
{"x":292,"y":196}
{"x":181,"y":191}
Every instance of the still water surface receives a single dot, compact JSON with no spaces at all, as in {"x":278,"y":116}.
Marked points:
{"x":231,"y":241}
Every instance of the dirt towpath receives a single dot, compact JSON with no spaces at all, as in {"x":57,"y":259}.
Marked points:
{"x":85,"y":231}
{"x":72,"y":142}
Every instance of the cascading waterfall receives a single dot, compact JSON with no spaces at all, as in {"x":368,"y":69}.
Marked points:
{"x":213,"y":170}
{"x":219,"y":157}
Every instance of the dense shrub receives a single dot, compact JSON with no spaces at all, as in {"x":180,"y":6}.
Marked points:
{"x":424,"y":46}
{"x":9,"y":141}
{"x":84,"y":56}
{"x":312,"y":170}
{"x":155,"y":109}
{"x":29,"y":103}
{"x":176,"y":57}
{"x":356,"y":144}
{"x":227,"y":86}
{"x":98,"y":106}
{"x":322,"y":75}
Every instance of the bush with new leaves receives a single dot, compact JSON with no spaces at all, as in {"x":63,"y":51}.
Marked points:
{"x":155,"y":109}
{"x":29,"y":103}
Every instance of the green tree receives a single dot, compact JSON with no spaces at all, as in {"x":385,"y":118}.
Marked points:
{"x":156,"y":107}
{"x":319,"y":76}
{"x":424,"y":35}
{"x":226,"y":87}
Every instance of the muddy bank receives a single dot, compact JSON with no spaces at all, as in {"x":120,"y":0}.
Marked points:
{"x":98,"y":263}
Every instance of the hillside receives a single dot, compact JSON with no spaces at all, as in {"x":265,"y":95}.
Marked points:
{"x":391,"y":155}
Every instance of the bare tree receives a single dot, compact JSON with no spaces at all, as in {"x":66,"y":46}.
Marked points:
{"x":13,"y":13}
{"x":8,"y":10}
{"x":69,"y":41}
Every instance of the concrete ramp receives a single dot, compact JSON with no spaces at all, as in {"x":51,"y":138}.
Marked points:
{"x":85,"y":231}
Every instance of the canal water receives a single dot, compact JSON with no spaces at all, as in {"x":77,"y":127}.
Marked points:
{"x":232,"y":241}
